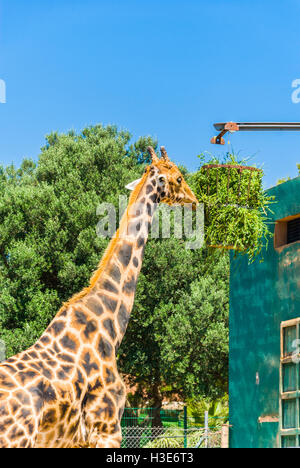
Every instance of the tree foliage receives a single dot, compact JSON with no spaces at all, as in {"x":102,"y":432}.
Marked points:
{"x":286,"y":179}
{"x":48,"y":242}
{"x":177,"y":339}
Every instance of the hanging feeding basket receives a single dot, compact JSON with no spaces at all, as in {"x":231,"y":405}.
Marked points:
{"x":235,"y":206}
{"x":240,"y":183}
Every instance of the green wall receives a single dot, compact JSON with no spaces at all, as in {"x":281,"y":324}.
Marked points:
{"x":262,"y":295}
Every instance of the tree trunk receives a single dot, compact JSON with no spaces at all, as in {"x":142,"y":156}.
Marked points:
{"x":157,"y":404}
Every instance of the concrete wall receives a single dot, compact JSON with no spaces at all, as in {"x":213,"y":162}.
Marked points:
{"x":262,"y":295}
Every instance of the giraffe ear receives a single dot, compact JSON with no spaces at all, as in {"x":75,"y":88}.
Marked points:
{"x":133,"y":184}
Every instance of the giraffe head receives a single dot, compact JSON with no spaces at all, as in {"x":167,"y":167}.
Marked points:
{"x":168,"y":180}
{"x":171,"y":185}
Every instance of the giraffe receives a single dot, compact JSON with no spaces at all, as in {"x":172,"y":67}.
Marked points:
{"x":65,"y":391}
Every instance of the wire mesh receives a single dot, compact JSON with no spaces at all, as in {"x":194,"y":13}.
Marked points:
{"x":162,"y":437}
{"x":175,"y":431}
{"x":145,"y":416}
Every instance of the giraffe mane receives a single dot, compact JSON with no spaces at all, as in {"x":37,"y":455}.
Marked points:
{"x":110,"y":248}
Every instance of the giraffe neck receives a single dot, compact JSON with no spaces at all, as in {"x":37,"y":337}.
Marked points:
{"x":112,"y":291}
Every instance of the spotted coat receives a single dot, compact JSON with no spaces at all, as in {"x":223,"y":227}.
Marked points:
{"x":65,"y":391}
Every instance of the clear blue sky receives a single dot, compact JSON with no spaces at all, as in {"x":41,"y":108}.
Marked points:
{"x":169,"y":68}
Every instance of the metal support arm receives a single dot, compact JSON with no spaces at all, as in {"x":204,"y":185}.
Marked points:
{"x":232,"y":127}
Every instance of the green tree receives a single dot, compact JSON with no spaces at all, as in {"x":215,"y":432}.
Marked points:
{"x":48,"y":242}
{"x":177,"y":339}
{"x":286,"y":179}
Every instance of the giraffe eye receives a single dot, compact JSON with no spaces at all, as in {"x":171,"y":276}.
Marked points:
{"x":179,"y":180}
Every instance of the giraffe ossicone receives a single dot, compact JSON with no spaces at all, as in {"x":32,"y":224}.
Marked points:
{"x":65,"y":391}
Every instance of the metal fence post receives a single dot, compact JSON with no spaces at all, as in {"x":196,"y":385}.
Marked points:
{"x":206,"y":428}
{"x":225,"y":436}
{"x":185,"y":423}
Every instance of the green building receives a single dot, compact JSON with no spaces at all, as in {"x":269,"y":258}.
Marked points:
{"x":264,"y":371}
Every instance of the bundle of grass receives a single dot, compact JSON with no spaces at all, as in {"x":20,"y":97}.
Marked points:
{"x":236,"y":206}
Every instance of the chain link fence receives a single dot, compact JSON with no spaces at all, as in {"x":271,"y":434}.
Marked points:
{"x":161,"y":437}
{"x":176,"y":430}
